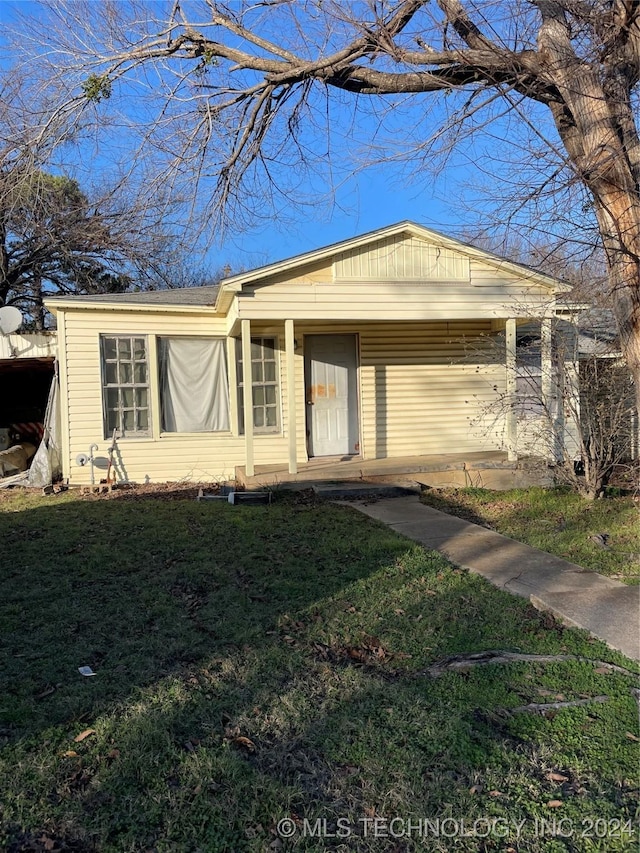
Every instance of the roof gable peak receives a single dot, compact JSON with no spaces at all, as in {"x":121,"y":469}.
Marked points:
{"x":412,"y":230}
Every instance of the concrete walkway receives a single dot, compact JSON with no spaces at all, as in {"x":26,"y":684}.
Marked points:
{"x":608,"y":609}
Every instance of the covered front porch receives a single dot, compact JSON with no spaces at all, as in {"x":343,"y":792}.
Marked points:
{"x":406,"y":391}
{"x":490,"y":469}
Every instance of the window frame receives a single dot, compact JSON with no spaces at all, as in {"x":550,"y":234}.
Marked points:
{"x":121,"y":433}
{"x":240,"y":372}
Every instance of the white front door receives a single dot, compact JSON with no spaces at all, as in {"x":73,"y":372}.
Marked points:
{"x":331,"y":394}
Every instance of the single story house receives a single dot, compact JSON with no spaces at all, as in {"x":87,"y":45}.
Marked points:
{"x":400,"y":342}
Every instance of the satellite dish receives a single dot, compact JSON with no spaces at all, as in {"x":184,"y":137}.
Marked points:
{"x":10,"y":319}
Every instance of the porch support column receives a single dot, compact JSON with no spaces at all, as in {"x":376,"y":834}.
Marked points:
{"x":511,"y":419}
{"x":547,"y":389}
{"x":247,"y":397}
{"x":289,"y":348}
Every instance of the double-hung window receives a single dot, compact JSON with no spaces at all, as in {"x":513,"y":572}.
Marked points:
{"x":265,"y":385}
{"x":125,"y":385}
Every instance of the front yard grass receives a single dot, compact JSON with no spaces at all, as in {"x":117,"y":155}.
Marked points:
{"x":255,"y":664}
{"x":558,"y":521}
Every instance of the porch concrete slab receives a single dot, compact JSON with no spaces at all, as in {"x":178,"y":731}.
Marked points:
{"x":606,"y":608}
{"x":354,"y":467}
{"x":363,"y":491}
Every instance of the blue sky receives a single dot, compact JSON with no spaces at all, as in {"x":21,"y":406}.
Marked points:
{"x":364,"y":202}
{"x":359,"y":201}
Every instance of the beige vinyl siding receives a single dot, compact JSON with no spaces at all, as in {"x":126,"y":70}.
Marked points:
{"x":64,"y":397}
{"x":377,"y":300}
{"x":397,"y":279}
{"x":36,"y":345}
{"x":485,"y":274}
{"x":423,"y":388}
{"x":401,"y":257}
{"x":197,"y":456}
{"x":311,"y":273}
{"x":430,"y":389}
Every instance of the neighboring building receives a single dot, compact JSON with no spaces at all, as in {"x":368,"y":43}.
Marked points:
{"x":26,"y":373}
{"x":378,"y":347}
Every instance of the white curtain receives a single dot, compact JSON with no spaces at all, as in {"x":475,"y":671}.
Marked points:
{"x":194,"y":391}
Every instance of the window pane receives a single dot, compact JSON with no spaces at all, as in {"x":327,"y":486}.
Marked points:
{"x":124,"y":347}
{"x":256,"y":350}
{"x":270,"y":394}
{"x":113,"y":400}
{"x":258,"y":396}
{"x":142,"y":397}
{"x":258,"y":416}
{"x":112,"y":420}
{"x":271,"y":416}
{"x":139,"y":350}
{"x":111,"y":374}
{"x":128,"y":420}
{"x":268,"y":346}
{"x":258,"y":374}
{"x":126,"y":373}
{"x":140,"y":372}
{"x":270,"y":371}
{"x":239,"y":372}
{"x":143,"y":419}
{"x":127,"y":397}
{"x":110,"y":348}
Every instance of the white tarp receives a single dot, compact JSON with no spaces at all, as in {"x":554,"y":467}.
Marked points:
{"x":194,"y":390}
{"x":45,"y":465}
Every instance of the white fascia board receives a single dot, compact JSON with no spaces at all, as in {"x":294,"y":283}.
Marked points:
{"x":78,"y":304}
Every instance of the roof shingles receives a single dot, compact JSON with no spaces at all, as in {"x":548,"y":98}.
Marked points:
{"x":205,"y":296}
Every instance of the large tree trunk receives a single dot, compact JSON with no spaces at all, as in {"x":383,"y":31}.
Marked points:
{"x":624,"y":278}
{"x":619,"y":217}
{"x":595,"y":119}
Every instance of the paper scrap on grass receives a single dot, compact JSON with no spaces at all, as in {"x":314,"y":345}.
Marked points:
{"x":85,"y":670}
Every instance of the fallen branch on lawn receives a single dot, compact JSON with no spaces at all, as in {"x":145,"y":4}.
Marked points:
{"x":464,"y":662}
{"x":541,"y":707}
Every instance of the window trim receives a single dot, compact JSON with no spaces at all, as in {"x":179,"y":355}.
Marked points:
{"x":264,"y":430}
{"x":120,"y":431}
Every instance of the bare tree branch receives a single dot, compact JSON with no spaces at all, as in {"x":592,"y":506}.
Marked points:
{"x":235,"y":93}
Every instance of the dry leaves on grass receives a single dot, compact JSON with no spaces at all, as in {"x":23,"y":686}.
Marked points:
{"x":554,"y":776}
{"x":84,"y":735}
{"x":233,"y":737}
{"x":243,"y":743}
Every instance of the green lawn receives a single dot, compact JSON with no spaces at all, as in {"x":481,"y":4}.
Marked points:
{"x":558,"y":521}
{"x":255,"y":664}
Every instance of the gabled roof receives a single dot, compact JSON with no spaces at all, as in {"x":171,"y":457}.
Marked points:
{"x":236,"y":282}
{"x":220,"y":296}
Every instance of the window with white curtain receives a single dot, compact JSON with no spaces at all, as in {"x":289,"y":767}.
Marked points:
{"x":194,"y":387}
